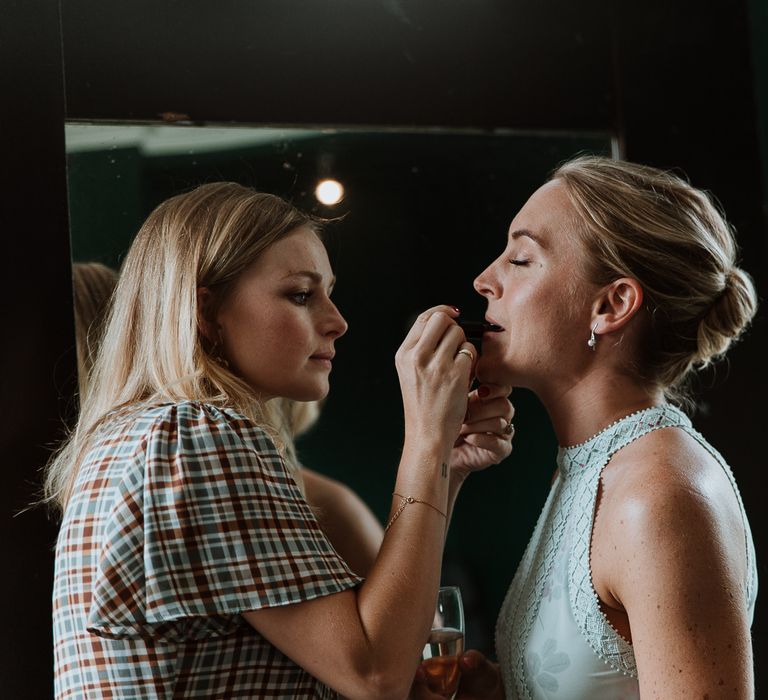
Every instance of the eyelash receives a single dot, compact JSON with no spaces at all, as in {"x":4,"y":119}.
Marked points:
{"x":519,"y":263}
{"x":300,"y":298}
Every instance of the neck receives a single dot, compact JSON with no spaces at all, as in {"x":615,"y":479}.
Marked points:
{"x":594,"y":402}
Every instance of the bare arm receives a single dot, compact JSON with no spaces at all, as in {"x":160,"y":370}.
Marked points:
{"x":366,"y":643}
{"x":350,"y":525}
{"x":680,"y":579}
{"x":347,"y":521}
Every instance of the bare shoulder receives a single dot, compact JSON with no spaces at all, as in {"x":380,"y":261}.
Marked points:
{"x":346,"y":519}
{"x":669,"y":564}
{"x":334,"y":503}
{"x":666,"y":474}
{"x":665,"y":498}
{"x":322,"y":490}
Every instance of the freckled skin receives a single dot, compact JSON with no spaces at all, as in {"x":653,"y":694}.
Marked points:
{"x":668,"y":545}
{"x":270,"y":333}
{"x":678,"y":595}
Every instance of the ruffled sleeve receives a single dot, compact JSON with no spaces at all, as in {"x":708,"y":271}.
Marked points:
{"x":206,"y":523}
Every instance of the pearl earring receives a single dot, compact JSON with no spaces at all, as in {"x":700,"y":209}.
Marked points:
{"x":592,"y":342}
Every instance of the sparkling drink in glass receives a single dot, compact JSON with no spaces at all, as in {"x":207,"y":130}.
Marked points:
{"x":440,"y":658}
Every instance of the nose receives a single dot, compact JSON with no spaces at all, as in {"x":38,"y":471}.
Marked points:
{"x":486,"y":283}
{"x":334,"y":324}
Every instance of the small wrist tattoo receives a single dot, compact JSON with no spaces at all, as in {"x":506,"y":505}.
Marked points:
{"x":444,"y":470}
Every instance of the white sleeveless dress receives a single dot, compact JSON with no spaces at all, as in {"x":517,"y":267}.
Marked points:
{"x":552,"y":640}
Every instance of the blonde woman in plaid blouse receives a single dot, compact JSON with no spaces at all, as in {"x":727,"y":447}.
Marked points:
{"x":188,"y":563}
{"x":347,"y":521}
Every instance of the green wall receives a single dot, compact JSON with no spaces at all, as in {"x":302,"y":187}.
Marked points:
{"x":424,"y":213}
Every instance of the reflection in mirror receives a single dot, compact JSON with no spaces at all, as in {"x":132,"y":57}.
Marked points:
{"x":419,"y":215}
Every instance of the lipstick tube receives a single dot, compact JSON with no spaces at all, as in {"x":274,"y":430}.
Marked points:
{"x":475,"y":329}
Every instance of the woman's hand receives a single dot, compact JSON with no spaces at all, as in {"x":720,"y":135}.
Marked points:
{"x":480,"y":680}
{"x":434,"y":364}
{"x":486,"y":434}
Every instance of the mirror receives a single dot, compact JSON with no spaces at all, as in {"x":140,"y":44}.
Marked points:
{"x":422,"y":213}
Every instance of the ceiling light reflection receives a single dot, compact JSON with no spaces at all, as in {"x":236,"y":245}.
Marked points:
{"x":329,"y":192}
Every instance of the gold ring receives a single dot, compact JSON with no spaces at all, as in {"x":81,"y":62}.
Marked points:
{"x":466,"y":352}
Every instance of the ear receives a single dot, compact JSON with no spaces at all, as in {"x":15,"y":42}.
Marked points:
{"x":206,"y":319}
{"x":616,"y":305}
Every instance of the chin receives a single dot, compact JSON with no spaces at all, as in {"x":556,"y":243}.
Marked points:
{"x":490,"y":372}
{"x":315,"y":392}
{"x":294,"y":391}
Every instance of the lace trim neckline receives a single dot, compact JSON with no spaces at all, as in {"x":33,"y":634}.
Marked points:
{"x":620,"y":426}
{"x":602,"y":431}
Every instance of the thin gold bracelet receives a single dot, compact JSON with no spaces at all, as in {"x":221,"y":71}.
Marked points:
{"x":406,"y":500}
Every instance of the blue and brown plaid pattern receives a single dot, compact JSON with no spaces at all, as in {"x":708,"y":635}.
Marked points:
{"x":183,"y":517}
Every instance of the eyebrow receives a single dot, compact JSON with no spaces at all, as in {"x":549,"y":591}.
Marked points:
{"x":519,"y":233}
{"x":312,"y":275}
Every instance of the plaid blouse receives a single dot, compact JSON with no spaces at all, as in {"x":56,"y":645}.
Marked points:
{"x":184,"y":516}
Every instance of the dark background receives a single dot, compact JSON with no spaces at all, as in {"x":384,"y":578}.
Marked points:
{"x":679,"y":83}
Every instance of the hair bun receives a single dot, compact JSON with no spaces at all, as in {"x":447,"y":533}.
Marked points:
{"x":728,"y":316}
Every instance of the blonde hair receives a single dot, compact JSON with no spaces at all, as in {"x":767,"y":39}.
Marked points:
{"x":92,"y":285}
{"x":300,"y":416}
{"x":652,"y":226}
{"x":293,"y":418}
{"x":152,"y":350}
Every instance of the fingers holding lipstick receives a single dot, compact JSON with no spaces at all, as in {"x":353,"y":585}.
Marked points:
{"x":443,"y":317}
{"x":434,"y":367}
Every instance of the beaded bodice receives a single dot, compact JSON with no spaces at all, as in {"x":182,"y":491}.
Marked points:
{"x":552,"y":638}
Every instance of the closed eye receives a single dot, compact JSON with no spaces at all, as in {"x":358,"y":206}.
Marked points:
{"x":521,"y":263}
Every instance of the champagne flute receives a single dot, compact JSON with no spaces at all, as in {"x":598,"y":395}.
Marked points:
{"x":440,"y":658}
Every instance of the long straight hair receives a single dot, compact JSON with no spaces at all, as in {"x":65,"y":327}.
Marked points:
{"x":151,"y":350}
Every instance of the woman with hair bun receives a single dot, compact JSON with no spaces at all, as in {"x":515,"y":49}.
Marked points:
{"x":188,"y":563}
{"x":617,"y":283}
